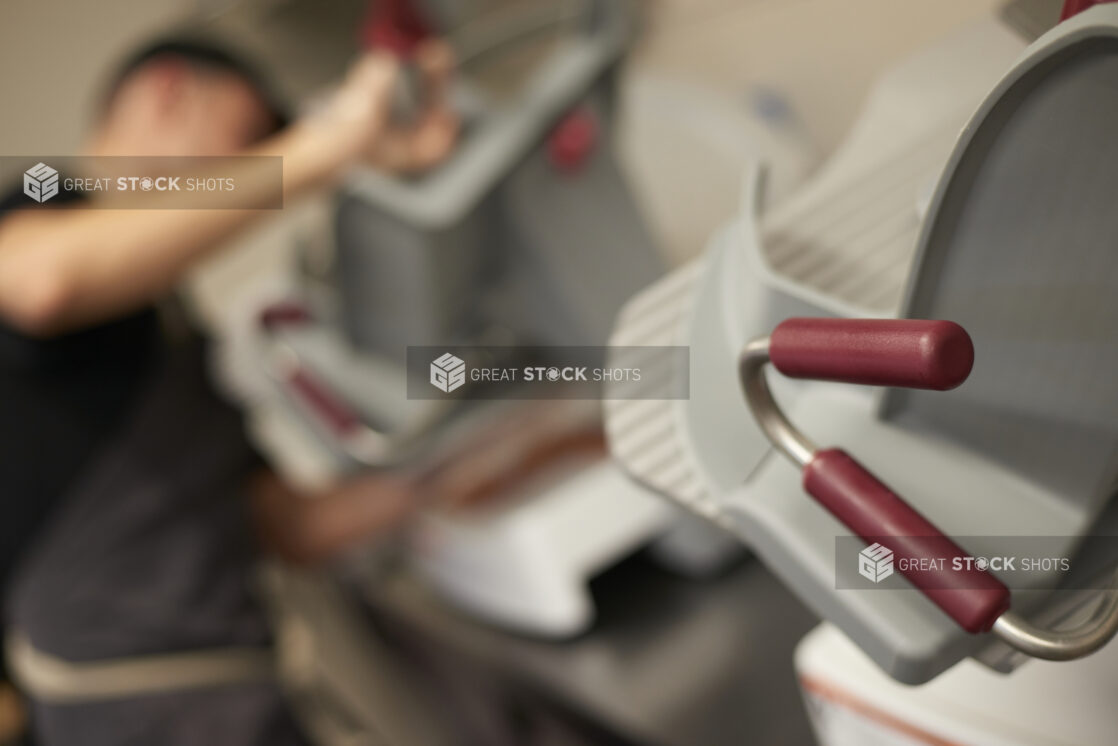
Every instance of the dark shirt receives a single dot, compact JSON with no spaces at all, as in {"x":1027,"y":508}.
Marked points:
{"x":123,"y":513}
{"x":61,"y":399}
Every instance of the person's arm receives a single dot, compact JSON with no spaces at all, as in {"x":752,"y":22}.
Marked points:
{"x":527,"y":444}
{"x":307,"y":529}
{"x":65,"y":269}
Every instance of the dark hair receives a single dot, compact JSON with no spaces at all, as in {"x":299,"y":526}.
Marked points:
{"x":206,"y":55}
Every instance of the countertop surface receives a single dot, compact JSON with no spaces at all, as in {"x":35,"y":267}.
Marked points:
{"x":669,"y":661}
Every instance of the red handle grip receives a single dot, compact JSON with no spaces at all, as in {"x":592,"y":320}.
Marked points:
{"x":1074,"y":7}
{"x":973,"y":598}
{"x":877,"y":352}
{"x":331,"y":411}
{"x":284,"y":313}
{"x":396,"y":26}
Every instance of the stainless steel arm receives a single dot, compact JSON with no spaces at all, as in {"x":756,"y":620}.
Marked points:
{"x":1062,"y":645}
{"x":784,"y":436}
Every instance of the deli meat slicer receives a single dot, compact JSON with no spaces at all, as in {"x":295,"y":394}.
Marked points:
{"x":526,"y":236}
{"x":969,"y":282}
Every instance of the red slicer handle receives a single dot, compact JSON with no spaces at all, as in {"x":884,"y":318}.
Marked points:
{"x":1073,"y":7}
{"x":973,"y":598}
{"x":330,"y":410}
{"x":324,"y":404}
{"x":396,"y":26}
{"x":909,"y":353}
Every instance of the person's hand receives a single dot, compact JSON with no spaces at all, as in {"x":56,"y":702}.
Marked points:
{"x":407,"y":147}
{"x":307,"y":528}
{"x":528,"y":442}
{"x":355,"y":124}
{"x":355,"y":116}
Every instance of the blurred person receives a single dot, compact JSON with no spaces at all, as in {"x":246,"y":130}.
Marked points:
{"x":123,"y":532}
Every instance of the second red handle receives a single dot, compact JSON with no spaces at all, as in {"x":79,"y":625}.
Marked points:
{"x":973,"y":598}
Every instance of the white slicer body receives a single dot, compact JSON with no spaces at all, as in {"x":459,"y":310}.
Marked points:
{"x":950,"y":199}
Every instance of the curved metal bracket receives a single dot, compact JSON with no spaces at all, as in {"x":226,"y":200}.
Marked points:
{"x":1055,"y":645}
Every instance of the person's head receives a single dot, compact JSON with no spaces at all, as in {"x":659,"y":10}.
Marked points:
{"x":181,"y":97}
